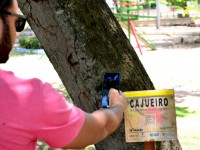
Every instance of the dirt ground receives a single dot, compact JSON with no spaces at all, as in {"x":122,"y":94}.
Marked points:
{"x":174,"y":65}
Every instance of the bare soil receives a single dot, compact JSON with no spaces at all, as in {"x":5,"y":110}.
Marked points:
{"x":175,"y":65}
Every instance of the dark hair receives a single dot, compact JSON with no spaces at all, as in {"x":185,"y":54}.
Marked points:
{"x":5,"y":4}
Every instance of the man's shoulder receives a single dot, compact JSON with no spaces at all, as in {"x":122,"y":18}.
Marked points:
{"x":10,"y":76}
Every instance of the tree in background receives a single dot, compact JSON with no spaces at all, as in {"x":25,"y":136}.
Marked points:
{"x":83,"y":40}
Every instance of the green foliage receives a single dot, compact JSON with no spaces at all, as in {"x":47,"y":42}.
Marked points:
{"x":180,"y":3}
{"x":183,"y":3}
{"x":183,"y":112}
{"x":29,"y":43}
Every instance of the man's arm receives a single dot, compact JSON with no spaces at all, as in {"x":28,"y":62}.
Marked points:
{"x":101,"y":123}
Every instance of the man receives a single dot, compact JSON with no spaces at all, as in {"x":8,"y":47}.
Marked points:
{"x":31,"y":110}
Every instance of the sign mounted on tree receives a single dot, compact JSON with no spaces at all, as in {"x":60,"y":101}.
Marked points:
{"x":150,"y":116}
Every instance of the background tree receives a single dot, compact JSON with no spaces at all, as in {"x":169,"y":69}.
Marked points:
{"x":83,"y":40}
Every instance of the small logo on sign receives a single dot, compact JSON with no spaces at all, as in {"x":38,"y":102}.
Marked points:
{"x":154,"y":134}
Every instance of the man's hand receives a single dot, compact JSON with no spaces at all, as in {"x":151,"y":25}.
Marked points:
{"x":117,"y":97}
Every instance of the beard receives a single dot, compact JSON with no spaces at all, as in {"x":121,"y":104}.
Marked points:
{"x":5,"y":43}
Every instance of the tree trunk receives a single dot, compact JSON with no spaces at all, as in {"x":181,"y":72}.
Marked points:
{"x":83,"y":40}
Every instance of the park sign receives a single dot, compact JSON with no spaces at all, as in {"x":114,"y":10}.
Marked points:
{"x":150,"y":116}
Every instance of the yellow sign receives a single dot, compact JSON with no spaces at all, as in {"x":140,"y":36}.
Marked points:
{"x":150,"y":116}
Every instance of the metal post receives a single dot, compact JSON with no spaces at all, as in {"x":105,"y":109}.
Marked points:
{"x":129,"y":30}
{"x":158,"y":14}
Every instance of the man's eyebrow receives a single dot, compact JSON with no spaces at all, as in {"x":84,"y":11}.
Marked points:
{"x":2,"y":11}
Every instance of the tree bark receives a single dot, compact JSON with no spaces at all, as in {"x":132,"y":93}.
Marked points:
{"x":83,"y":40}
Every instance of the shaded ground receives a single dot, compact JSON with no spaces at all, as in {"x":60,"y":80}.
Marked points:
{"x":174,"y":37}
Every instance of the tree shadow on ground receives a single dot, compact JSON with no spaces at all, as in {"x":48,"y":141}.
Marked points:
{"x":181,"y":93}
{"x":178,"y":41}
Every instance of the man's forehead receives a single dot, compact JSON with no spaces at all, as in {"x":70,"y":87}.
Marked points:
{"x":14,"y":8}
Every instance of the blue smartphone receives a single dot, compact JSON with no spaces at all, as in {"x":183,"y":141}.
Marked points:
{"x":111,"y":80}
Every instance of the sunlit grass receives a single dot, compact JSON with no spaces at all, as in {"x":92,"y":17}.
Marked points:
{"x":184,"y":111}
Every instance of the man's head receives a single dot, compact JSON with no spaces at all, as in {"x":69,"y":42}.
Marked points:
{"x":10,"y":24}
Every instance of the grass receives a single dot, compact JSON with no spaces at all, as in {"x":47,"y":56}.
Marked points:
{"x":184,"y":112}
